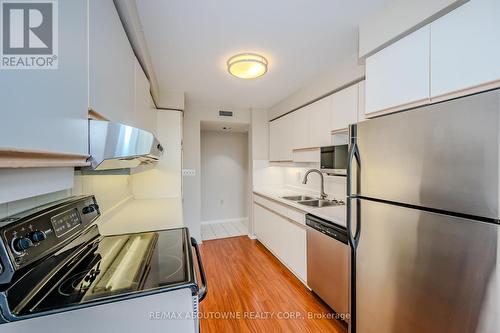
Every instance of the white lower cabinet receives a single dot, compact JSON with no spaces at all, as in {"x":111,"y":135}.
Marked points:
{"x":284,"y":237}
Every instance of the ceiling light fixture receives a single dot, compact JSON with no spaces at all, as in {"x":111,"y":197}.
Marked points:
{"x":247,"y":65}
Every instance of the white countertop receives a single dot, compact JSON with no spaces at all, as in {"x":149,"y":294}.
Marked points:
{"x":335,"y":214}
{"x":142,"y":215}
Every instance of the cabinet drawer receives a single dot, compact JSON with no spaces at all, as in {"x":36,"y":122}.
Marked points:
{"x":272,"y":205}
{"x":297,"y":216}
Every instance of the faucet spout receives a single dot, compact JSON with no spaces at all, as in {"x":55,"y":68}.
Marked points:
{"x":323,"y":195}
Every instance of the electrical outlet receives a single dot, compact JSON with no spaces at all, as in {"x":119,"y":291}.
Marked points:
{"x":188,"y":172}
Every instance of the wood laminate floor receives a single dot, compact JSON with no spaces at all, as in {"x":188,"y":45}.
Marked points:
{"x":249,"y":290}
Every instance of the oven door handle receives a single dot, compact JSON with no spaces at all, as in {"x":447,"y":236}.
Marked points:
{"x":202,"y":292}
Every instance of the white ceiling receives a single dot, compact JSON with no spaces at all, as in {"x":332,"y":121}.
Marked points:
{"x":190,"y":41}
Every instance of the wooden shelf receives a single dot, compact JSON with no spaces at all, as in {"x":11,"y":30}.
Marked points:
{"x":20,"y":158}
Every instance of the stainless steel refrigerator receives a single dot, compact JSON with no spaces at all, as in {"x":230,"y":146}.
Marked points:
{"x":423,"y":219}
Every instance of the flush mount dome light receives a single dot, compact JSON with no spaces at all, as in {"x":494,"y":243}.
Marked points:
{"x":247,"y":65}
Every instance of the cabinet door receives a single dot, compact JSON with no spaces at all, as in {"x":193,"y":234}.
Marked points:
{"x":301,"y":128}
{"x":293,"y":246}
{"x":361,"y":101}
{"x":274,"y":140}
{"x":112,"y":67}
{"x":145,"y":113}
{"x":319,"y":123}
{"x":46,"y":110}
{"x":344,"y":108}
{"x":286,"y":135}
{"x":286,"y":239}
{"x":466,"y":49}
{"x":398,"y":76}
{"x":259,"y":219}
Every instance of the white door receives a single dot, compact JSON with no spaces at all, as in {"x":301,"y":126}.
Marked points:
{"x":397,"y":77}
{"x":466,"y":49}
{"x":46,"y":110}
{"x":301,"y":128}
{"x":145,"y":112}
{"x":275,"y":140}
{"x":361,"y":101}
{"x":112,"y":67}
{"x":286,"y":135}
{"x":344,"y":108}
{"x":319,"y":123}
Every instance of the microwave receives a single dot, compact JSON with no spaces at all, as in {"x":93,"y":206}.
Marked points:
{"x":334,"y":159}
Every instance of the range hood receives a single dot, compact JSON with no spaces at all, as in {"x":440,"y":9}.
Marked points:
{"x":118,"y":146}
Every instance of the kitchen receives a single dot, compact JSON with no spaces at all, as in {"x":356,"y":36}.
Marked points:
{"x":288,"y":166}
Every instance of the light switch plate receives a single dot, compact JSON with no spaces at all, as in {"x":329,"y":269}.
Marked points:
{"x":188,"y":172}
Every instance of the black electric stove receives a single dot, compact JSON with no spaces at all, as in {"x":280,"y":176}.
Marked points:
{"x":54,"y":259}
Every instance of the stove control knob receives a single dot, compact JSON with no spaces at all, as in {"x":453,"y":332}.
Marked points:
{"x":37,"y":236}
{"x":88,"y":209}
{"x":21,"y":244}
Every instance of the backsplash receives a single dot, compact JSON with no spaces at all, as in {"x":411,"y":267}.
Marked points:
{"x":14,"y":207}
{"x":109,"y":191}
{"x":266,"y":176}
{"x":335,"y":186}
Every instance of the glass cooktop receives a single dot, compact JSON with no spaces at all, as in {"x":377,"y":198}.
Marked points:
{"x":119,"y":265}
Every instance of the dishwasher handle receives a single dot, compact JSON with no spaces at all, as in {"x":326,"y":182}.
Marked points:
{"x":202,"y":292}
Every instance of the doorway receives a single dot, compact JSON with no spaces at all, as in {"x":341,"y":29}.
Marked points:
{"x":224,"y":180}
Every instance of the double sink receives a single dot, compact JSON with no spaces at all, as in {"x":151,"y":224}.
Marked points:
{"x":313,"y":202}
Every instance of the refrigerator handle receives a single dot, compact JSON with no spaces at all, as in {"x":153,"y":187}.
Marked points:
{"x":353,"y":156}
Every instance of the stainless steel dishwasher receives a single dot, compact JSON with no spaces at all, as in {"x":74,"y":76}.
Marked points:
{"x":328,"y":263}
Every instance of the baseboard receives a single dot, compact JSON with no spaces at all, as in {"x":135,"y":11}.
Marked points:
{"x":243,"y":220}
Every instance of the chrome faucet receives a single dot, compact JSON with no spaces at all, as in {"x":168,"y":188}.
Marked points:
{"x":322,"y":195}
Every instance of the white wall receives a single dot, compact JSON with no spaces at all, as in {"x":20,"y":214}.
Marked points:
{"x":164,"y":180}
{"x":18,"y":184}
{"x":193,"y":115}
{"x":224,"y":171}
{"x":109,"y":191}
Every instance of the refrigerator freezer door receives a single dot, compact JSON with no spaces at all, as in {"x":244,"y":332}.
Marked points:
{"x":424,"y":272}
{"x":444,"y":156}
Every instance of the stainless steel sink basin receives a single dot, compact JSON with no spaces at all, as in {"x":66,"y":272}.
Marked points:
{"x":297,"y":198}
{"x":320,"y":203}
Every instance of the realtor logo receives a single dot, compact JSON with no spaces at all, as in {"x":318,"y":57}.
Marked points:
{"x":29,"y":36}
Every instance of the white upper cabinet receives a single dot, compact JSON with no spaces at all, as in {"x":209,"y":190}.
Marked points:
{"x":301,"y":128}
{"x":46,"y":110}
{"x":465,"y":51}
{"x":398,"y":76}
{"x":344,"y":108}
{"x":319,"y":123}
{"x":112,"y":67}
{"x":274,"y":138}
{"x":286,"y":138}
{"x":145,"y":112}
{"x":361,"y":101}
{"x":280,"y":139}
